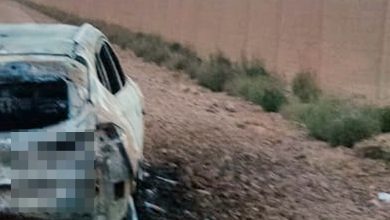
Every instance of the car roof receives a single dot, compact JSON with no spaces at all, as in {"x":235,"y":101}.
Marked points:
{"x":51,"y":39}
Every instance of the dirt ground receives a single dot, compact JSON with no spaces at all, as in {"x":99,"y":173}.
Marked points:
{"x":233,"y":161}
{"x":211,"y":156}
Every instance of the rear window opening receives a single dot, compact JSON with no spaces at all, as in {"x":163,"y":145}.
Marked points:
{"x":119,"y":190}
{"x":36,"y":104}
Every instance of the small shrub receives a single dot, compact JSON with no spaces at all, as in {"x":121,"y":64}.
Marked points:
{"x":193,"y":69}
{"x":262,"y":90}
{"x":216,"y":72}
{"x":177,"y":62}
{"x":305,"y":87}
{"x":273,"y":99}
{"x":253,"y":68}
{"x":176,"y":47}
{"x":316,"y":116}
{"x":183,"y":59}
{"x":352,"y":128}
{"x":239,"y":86}
{"x":335,"y":121}
{"x":384,"y":114}
{"x":150,"y":48}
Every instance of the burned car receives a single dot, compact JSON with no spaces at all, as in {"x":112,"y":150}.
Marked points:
{"x":71,"y":125}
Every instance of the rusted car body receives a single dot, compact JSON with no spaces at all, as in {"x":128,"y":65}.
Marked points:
{"x":60,"y":78}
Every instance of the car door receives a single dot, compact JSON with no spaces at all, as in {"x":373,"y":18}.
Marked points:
{"x":125,"y":91}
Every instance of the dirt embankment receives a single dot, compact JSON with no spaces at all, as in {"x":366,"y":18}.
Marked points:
{"x":230,"y":160}
{"x":233,"y":161}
